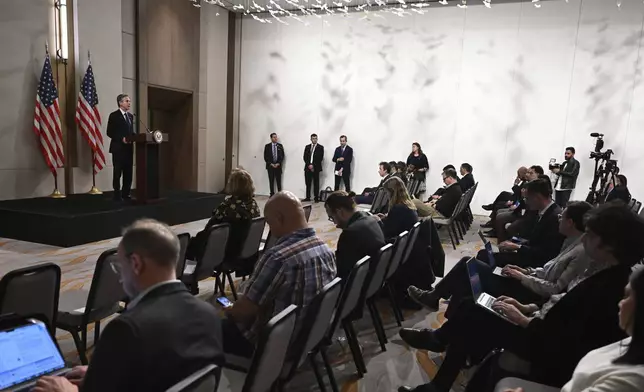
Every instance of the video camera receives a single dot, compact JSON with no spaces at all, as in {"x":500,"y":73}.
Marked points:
{"x":605,"y":170}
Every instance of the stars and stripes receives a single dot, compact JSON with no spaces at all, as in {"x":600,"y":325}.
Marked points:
{"x":47,"y":119}
{"x":88,"y":118}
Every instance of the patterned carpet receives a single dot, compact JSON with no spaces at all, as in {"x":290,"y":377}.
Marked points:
{"x":399,"y":365}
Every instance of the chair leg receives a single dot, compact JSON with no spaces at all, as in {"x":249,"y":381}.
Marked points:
{"x":377,"y":324}
{"x":329,"y":370}
{"x":97,"y":331}
{"x":451,"y":227}
{"x":354,"y":345}
{"x":232,"y":285}
{"x":316,"y":370}
{"x":79,"y":347}
{"x":451,"y":238}
{"x":394,"y":306}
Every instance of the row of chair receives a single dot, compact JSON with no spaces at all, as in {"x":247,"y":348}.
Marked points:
{"x":461,"y":219}
{"x":36,"y":289}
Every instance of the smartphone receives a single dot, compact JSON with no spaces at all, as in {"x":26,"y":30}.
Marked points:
{"x":225,"y":302}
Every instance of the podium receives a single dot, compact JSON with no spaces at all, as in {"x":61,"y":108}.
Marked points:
{"x":147,"y":147}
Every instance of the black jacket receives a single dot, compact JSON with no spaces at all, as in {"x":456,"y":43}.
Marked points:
{"x":117,"y":129}
{"x":318,"y":156}
{"x":568,"y":174}
{"x":268,"y":155}
{"x":348,"y":157}
{"x":466,"y":182}
{"x":619,"y":193}
{"x":362,"y":237}
{"x":399,"y":219}
{"x":544,"y":240}
{"x":164,"y":338}
{"x":448,"y":201}
{"x":585,"y":318}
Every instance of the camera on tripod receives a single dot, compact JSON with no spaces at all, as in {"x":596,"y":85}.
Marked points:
{"x":605,"y":170}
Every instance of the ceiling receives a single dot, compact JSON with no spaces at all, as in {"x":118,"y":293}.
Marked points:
{"x":328,"y":7}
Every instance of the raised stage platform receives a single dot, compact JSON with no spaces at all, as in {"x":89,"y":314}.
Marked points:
{"x":80,"y":219}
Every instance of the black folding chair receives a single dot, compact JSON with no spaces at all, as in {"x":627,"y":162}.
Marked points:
{"x":203,"y":380}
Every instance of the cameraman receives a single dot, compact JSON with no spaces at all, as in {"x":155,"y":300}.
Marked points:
{"x":566,"y":179}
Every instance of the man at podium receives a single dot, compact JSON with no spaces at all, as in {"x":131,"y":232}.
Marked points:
{"x":120,"y":125}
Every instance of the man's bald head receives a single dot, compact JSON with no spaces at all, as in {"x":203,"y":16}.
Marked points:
{"x":284,"y":214}
{"x":522,"y":172}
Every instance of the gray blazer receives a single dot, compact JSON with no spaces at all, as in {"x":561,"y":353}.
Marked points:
{"x":556,"y":274}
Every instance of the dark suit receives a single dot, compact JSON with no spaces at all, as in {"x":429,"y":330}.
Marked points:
{"x":274,"y":173}
{"x":362,"y":237}
{"x":543,"y":242}
{"x":466,"y":182}
{"x":448,"y":201}
{"x":164,"y":338}
{"x":314,"y":175}
{"x":122,"y":153}
{"x":345,"y":166}
{"x":584,"y":319}
{"x":399,"y":219}
{"x":619,"y":193}
{"x":368,"y":199}
{"x":567,"y":178}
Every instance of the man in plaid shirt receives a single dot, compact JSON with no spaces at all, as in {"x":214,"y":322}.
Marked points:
{"x":291,"y":272}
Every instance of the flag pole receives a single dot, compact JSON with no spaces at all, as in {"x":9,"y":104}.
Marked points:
{"x":94,"y":190}
{"x":56,"y":193}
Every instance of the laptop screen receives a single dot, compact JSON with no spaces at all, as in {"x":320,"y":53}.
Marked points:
{"x":27,"y":352}
{"x":475,"y":279}
{"x":490,"y":254}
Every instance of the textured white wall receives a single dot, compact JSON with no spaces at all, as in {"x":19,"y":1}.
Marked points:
{"x":498,"y":88}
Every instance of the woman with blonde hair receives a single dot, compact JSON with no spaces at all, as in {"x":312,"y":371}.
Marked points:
{"x":402,"y":211}
{"x":238,"y":209}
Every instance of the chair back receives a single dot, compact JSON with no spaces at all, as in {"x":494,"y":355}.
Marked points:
{"x":203,"y":380}
{"x":253,"y":239}
{"x":380,"y":271}
{"x":399,"y":249}
{"x":413,"y":234}
{"x":271,"y":240}
{"x":184,"y":239}
{"x":32,"y":290}
{"x":214,"y":252}
{"x":106,"y":290}
{"x":307,"y":211}
{"x":312,"y":326}
{"x":351,"y":291}
{"x":270,"y":353}
{"x":380,"y":200}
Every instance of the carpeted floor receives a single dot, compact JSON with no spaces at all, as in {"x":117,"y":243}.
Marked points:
{"x":387,"y":370}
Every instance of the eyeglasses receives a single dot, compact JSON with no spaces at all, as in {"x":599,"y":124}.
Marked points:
{"x":560,"y":216}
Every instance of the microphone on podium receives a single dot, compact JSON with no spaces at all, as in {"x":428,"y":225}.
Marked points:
{"x":142,"y":123}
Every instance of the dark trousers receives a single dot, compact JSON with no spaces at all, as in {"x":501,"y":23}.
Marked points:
{"x":275,"y":176}
{"x":312,"y":176}
{"x":122,"y":162}
{"x":505,"y":258}
{"x":234,"y":340}
{"x":472,"y":332}
{"x":562,"y":197}
{"x":347,"y":181}
{"x":456,"y":284}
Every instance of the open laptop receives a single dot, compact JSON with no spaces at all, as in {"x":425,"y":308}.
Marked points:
{"x":481,"y":299}
{"x":27,"y":352}
{"x":489,"y":248}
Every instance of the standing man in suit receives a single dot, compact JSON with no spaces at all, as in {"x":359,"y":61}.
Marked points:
{"x":274,"y":156}
{"x":566,"y":180}
{"x":120,"y":125}
{"x":165,"y":334}
{"x":313,"y":156}
{"x":342,"y":157}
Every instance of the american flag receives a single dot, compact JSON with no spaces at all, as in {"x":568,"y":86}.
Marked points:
{"x":88,"y":118}
{"x":47,"y":119}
